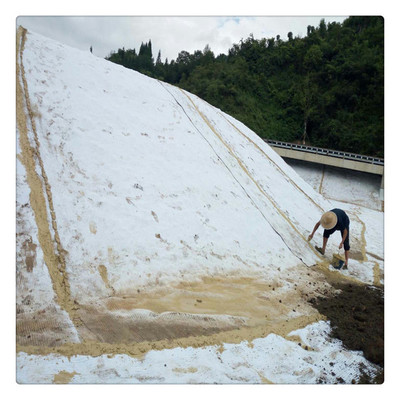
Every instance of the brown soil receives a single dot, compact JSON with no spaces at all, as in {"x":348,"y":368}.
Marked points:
{"x":356,"y":313}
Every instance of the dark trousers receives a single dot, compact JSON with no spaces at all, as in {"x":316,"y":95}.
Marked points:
{"x":346,"y":243}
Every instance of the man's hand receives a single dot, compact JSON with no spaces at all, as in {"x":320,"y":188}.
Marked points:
{"x":340,"y":245}
{"x":310,"y":237}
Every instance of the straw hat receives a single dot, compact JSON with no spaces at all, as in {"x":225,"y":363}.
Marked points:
{"x":328,"y":220}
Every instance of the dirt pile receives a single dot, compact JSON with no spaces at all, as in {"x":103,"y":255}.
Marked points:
{"x":356,"y":313}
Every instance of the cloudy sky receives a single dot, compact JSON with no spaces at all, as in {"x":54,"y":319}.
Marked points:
{"x":168,"y":34}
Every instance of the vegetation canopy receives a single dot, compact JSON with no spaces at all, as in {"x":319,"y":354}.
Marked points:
{"x":326,"y":89}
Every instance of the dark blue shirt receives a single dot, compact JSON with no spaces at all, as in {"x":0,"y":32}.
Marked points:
{"x":343,"y":223}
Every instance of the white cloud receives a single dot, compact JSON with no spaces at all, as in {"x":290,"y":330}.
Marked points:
{"x":168,"y":34}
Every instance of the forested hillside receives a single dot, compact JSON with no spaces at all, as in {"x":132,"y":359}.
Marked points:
{"x":326,"y":89}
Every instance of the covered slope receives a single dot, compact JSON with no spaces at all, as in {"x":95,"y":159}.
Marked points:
{"x":147,"y":218}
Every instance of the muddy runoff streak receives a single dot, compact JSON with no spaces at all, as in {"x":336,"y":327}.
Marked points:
{"x":40,"y":191}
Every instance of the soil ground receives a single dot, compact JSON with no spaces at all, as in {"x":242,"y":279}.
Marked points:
{"x":356,"y":313}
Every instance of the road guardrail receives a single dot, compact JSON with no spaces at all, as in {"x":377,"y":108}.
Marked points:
{"x":326,"y":152}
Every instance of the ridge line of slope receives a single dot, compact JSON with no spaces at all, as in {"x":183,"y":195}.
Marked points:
{"x":53,"y":251}
{"x":247,"y":194}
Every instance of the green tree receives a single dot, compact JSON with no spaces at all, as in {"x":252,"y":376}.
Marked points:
{"x":326,"y":89}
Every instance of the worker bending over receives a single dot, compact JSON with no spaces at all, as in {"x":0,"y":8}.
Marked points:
{"x":331,"y":221}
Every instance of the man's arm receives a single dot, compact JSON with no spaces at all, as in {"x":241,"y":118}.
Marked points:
{"x":345,"y":232}
{"x":315,"y":228}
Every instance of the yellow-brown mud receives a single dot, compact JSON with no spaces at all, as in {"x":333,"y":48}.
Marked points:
{"x":63,"y":377}
{"x":40,"y":191}
{"x":104,"y":276}
{"x":42,"y":328}
{"x":207,"y":312}
{"x":29,"y":254}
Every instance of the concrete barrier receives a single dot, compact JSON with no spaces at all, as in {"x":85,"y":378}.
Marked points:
{"x":328,"y":160}
{"x":334,"y":158}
